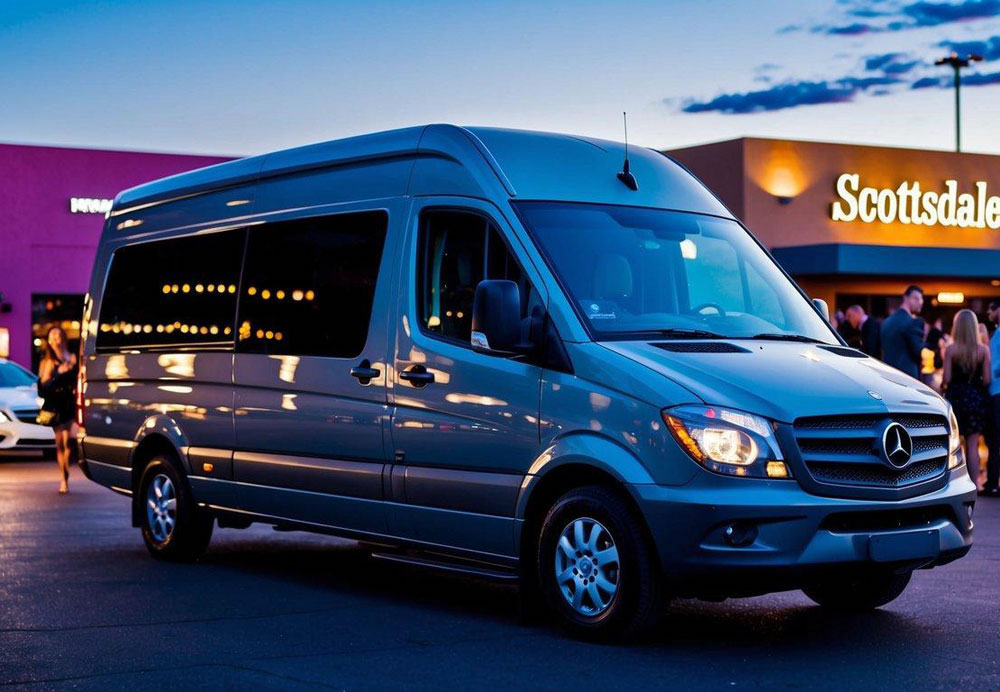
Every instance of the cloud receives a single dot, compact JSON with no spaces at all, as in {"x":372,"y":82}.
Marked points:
{"x":890,"y":63}
{"x":988,"y":48}
{"x":972,"y":79}
{"x":868,"y":13}
{"x":924,"y":13}
{"x":914,"y":15}
{"x":873,"y":75}
{"x":855,"y":29}
{"x":981,"y":78}
{"x":898,"y":68}
{"x":789,"y":95}
{"x":878,"y":62}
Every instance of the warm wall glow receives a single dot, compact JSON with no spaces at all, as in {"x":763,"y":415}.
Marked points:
{"x":951,"y":297}
{"x":779,"y":171}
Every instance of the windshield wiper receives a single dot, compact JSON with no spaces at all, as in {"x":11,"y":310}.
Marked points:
{"x":787,"y":337}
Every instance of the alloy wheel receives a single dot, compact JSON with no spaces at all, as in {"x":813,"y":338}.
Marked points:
{"x":586,"y":566}
{"x":161,"y":508}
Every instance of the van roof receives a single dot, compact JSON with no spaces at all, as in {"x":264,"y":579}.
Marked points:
{"x":517,"y":163}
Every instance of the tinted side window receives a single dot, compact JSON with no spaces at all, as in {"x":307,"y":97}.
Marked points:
{"x":308,"y":285}
{"x":180,"y":292}
{"x":457,"y":250}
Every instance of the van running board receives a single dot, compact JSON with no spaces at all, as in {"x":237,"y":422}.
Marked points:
{"x":483,"y":572}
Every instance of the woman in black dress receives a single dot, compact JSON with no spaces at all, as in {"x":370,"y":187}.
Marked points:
{"x":57,"y":386}
{"x":966,"y":378}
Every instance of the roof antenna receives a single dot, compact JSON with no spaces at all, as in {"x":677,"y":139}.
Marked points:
{"x":625,"y":176}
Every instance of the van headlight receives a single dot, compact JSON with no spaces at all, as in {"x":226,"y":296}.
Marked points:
{"x":726,"y":441}
{"x":955,"y":457}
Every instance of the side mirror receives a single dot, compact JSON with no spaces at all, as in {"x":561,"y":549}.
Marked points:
{"x":823,"y":308}
{"x":496,"y":318}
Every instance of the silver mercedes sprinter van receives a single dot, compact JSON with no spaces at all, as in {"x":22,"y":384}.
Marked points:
{"x":511,"y":354}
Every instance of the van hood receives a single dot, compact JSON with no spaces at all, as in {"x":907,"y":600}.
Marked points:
{"x":783,"y":380}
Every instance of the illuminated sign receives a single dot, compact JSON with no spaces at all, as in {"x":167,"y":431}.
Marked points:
{"x":89,"y":205}
{"x":909,"y":204}
{"x":951,"y":297}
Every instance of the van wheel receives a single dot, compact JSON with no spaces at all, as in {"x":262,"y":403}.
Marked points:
{"x":173,"y":527}
{"x":596,"y":568}
{"x":865,"y":591}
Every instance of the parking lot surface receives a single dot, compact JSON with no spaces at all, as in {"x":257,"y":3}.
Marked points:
{"x":82,"y":605}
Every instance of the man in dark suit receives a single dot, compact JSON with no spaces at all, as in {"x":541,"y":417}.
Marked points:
{"x":868,"y":329}
{"x":903,"y":334}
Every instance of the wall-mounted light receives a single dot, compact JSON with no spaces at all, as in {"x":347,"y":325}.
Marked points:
{"x":777,"y":168}
{"x":951,"y":297}
{"x":995,"y":282}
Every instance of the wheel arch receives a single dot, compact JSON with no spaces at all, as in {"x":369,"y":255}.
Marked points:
{"x":158,"y":435}
{"x":571,"y":462}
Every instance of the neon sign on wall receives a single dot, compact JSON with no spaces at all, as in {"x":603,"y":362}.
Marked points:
{"x":89,"y":205}
{"x":910,"y":205}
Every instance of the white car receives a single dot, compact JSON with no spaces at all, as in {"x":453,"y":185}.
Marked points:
{"x":20,"y":435}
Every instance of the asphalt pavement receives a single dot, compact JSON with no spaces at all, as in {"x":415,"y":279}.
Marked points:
{"x":82,"y":605}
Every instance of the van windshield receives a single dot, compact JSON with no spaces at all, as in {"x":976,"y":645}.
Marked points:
{"x":639,"y":273}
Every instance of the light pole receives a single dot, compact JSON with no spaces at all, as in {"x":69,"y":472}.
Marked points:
{"x":957,"y":64}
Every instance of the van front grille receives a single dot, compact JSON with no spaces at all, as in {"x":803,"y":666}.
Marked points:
{"x":870,"y":474}
{"x":35,"y":442}
{"x":907,"y":420}
{"x":843,"y":453}
{"x":26,"y":415}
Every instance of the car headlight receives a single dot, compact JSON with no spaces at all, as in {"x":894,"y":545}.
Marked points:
{"x":955,"y":456}
{"x":727,"y":441}
{"x":4,"y":418}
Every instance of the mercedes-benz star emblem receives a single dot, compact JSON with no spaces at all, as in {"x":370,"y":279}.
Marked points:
{"x":897,"y":445}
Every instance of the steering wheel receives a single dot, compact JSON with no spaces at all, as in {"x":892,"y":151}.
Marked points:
{"x":715,"y":306}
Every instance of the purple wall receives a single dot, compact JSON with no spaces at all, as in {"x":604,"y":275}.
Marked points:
{"x":43,"y":247}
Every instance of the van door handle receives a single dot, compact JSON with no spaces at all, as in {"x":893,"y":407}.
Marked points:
{"x":364,"y":372}
{"x":418,"y":376}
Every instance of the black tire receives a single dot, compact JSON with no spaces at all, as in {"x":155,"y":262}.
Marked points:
{"x":192,"y":526}
{"x":638,"y":602}
{"x":861,"y":592}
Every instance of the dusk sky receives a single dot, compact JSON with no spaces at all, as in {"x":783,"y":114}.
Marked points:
{"x":247,"y":76}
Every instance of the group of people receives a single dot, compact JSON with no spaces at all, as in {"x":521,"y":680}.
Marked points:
{"x":963,"y":365}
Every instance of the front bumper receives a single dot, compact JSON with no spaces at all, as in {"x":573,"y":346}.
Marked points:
{"x":24,"y":439}
{"x":790,"y":536}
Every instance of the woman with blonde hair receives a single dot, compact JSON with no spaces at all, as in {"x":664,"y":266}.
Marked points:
{"x":57,"y":385}
{"x":966,"y":378}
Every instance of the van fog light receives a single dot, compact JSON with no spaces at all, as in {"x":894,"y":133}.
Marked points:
{"x":740,"y":535}
{"x":777,"y":469}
